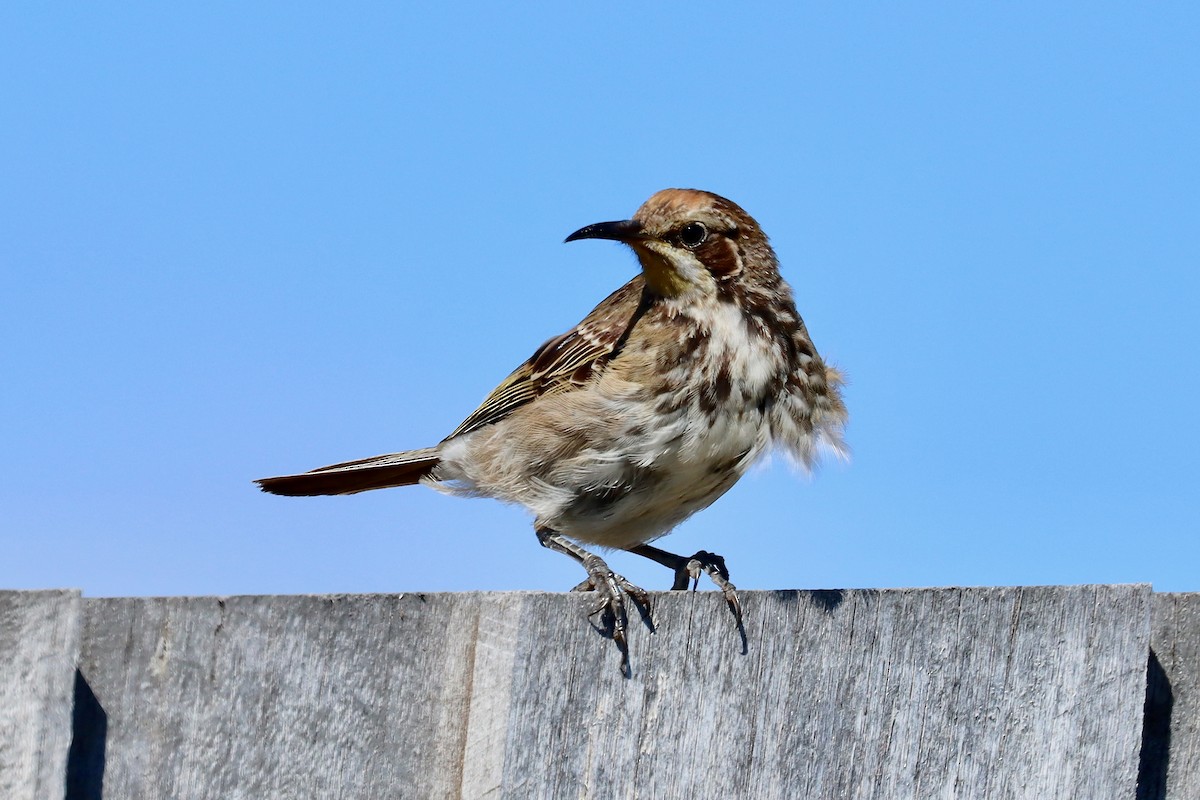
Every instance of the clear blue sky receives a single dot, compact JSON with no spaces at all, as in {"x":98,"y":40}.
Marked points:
{"x":239,"y":240}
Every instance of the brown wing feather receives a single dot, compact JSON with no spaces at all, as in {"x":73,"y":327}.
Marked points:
{"x":565,"y":362}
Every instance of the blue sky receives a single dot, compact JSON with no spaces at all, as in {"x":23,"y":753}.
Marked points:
{"x":243,"y":240}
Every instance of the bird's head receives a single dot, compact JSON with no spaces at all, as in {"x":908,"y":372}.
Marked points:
{"x":689,"y":242}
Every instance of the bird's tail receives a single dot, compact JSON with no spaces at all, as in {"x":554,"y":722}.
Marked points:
{"x":380,"y":472}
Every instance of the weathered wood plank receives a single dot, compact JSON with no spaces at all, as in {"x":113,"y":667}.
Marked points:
{"x":39,"y":641}
{"x":1171,"y":743}
{"x":959,"y":693}
{"x":281,"y":696}
{"x":982,"y":693}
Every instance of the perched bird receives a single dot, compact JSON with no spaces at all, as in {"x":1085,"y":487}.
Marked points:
{"x":647,"y":411}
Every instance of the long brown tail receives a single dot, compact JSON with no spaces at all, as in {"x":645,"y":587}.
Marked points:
{"x":380,"y":472}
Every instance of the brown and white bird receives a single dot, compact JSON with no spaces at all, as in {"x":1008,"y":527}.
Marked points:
{"x":648,"y":410}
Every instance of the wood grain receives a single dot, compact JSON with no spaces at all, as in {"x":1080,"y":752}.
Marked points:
{"x":973,"y":693}
{"x":39,"y":639}
{"x":1170,"y":765}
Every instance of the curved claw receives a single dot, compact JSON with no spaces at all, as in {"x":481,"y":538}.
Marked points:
{"x":609,"y":587}
{"x":714,"y":565}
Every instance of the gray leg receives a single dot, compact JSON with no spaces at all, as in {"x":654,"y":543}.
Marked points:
{"x":602,"y":580}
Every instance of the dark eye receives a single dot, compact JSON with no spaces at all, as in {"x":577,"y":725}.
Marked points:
{"x":693,"y":235}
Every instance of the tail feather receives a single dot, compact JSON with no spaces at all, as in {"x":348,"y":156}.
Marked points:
{"x":380,"y":472}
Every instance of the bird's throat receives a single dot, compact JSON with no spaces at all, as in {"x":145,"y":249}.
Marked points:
{"x":662,"y":277}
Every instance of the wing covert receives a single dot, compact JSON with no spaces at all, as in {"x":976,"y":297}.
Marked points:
{"x":565,"y":362}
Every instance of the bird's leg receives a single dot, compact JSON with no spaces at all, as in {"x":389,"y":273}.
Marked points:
{"x":602,"y":580}
{"x":688,"y":570}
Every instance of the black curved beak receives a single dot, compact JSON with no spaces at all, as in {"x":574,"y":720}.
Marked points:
{"x":622,"y":231}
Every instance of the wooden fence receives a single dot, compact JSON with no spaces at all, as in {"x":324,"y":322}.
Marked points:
{"x":1085,"y":692}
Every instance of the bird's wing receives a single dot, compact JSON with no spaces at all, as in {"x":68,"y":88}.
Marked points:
{"x":565,"y":362}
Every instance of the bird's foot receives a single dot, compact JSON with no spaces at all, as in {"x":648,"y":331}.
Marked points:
{"x":704,"y":561}
{"x":687,"y":571}
{"x":610,"y":589}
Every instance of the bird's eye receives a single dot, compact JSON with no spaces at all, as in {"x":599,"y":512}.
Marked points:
{"x":693,"y":235}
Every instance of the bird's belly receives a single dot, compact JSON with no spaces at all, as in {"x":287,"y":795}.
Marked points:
{"x":614,"y":467}
{"x":645,"y":491}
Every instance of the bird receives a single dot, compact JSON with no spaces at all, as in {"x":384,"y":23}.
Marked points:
{"x":647,"y":411}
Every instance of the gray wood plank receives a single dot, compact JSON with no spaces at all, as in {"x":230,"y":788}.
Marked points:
{"x":1170,"y":766}
{"x":981,"y":693}
{"x":976,"y":693}
{"x":281,"y":696}
{"x":39,"y":642}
